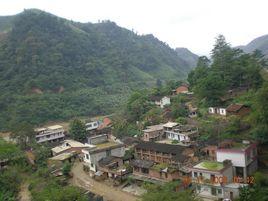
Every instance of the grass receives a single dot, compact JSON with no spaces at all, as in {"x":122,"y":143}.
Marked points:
{"x":210,"y":165}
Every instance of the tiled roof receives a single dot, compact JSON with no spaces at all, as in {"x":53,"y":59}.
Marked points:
{"x":234,"y":107}
{"x":142,"y":163}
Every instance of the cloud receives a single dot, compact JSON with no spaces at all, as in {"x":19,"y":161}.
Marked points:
{"x":180,"y":23}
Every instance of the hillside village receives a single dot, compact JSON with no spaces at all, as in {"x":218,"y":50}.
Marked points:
{"x":204,"y":138}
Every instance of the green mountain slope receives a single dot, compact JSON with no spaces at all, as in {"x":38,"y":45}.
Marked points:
{"x":52,"y":68}
{"x":187,"y":56}
{"x":260,"y":43}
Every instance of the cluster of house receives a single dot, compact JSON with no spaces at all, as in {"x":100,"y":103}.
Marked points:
{"x":165,"y":100}
{"x":165,"y":152}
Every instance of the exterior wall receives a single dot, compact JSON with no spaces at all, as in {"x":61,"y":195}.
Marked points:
{"x":222,"y":111}
{"x":206,"y":191}
{"x":177,"y":136}
{"x":216,"y":110}
{"x":238,"y":158}
{"x":93,"y":159}
{"x":211,"y":110}
{"x":153,"y":135}
{"x":164,"y":101}
{"x":227,"y":174}
{"x":97,"y":139}
{"x":92,"y":125}
{"x":54,"y":137}
{"x":228,"y":191}
{"x":153,"y":156}
{"x":210,"y":151}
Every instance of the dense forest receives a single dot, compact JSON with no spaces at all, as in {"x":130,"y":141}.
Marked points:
{"x":52,"y":68}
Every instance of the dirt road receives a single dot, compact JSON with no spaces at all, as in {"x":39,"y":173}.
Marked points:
{"x":110,"y":193}
{"x":24,"y":194}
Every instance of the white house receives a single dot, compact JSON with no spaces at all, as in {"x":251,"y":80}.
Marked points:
{"x":92,"y":125}
{"x":217,"y":110}
{"x":161,"y":102}
{"x":94,"y":153}
{"x":243,"y":156}
{"x":214,"y":180}
{"x":182,"y":133}
{"x":50,"y":134}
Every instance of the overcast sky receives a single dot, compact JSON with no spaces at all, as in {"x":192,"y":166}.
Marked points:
{"x":180,"y":23}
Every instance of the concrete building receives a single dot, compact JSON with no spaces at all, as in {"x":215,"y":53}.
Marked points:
{"x":153,"y":133}
{"x":243,"y":156}
{"x":92,"y":125}
{"x":96,"y":152}
{"x":184,"y":134}
{"x":68,"y":146}
{"x":214,"y":180}
{"x":145,"y":170}
{"x":50,"y":134}
{"x":162,"y":153}
{"x":217,"y":110}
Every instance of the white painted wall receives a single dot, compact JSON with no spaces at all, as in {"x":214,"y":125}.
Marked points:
{"x":238,"y":159}
{"x":96,"y":157}
{"x":164,"y":101}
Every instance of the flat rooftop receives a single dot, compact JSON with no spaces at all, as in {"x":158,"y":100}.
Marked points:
{"x":154,"y":128}
{"x":106,"y":145}
{"x":170,"y":124}
{"x":210,"y":165}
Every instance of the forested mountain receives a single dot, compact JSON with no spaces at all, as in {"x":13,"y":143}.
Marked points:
{"x":52,"y":68}
{"x":187,"y":56}
{"x":260,"y":43}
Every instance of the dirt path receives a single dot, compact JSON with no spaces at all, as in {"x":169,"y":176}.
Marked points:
{"x":110,"y":193}
{"x":25,"y":194}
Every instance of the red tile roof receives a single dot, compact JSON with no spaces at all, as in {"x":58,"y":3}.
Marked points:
{"x":181,"y":89}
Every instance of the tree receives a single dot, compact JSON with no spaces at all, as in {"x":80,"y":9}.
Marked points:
{"x":78,"y":130}
{"x":24,"y":134}
{"x":211,"y":88}
{"x":260,"y":114}
{"x":66,"y":168}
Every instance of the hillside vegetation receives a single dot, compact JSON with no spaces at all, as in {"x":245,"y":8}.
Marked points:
{"x":52,"y":68}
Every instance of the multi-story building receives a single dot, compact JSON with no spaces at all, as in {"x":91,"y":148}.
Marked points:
{"x":153,"y":133}
{"x":184,"y":134}
{"x":50,"y":134}
{"x":92,"y":125}
{"x":243,"y":156}
{"x":162,"y":153}
{"x":160,"y":162}
{"x":95,"y":152}
{"x":214,"y":180}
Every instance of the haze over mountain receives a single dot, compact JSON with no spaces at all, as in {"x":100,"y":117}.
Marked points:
{"x":53,"y":68}
{"x":187,"y":56}
{"x":260,"y":43}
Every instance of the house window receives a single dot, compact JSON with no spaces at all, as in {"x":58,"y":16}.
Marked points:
{"x":92,"y":165}
{"x":195,"y":174}
{"x":219,"y":191}
{"x":248,"y":157}
{"x":200,"y":174}
{"x":87,"y":156}
{"x":198,"y":188}
{"x":108,"y":152}
{"x":213,"y":191}
{"x":145,"y":170}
